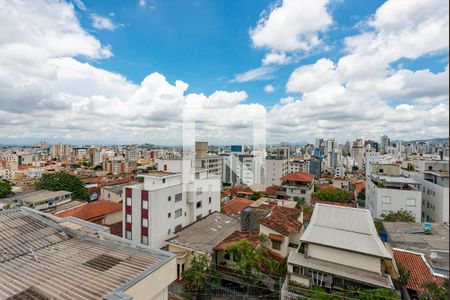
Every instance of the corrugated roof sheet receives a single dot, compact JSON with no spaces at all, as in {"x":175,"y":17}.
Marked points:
{"x":346,"y":228}
{"x":43,"y":260}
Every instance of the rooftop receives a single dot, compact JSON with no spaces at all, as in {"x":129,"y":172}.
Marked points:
{"x":396,"y":179}
{"x":91,"y":210}
{"x":411,"y":236}
{"x":298,"y":176}
{"x":250,"y":236}
{"x":206,"y":233}
{"x":416,"y":264}
{"x":117,"y":188}
{"x":236,"y":205}
{"x":346,"y":228}
{"x":41,"y":258}
{"x":38,"y":196}
{"x":283,"y":220}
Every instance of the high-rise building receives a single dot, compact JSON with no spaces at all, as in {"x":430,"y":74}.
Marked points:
{"x":384,"y":144}
{"x":59,"y":150}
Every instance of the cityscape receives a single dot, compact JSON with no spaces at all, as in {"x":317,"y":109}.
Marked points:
{"x":307,"y":157}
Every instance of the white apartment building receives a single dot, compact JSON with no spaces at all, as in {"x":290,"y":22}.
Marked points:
{"x":245,"y":169}
{"x":275,"y":169}
{"x":433,"y":177}
{"x":167,"y":201}
{"x":58,"y":150}
{"x":298,"y":166}
{"x":388,"y":192}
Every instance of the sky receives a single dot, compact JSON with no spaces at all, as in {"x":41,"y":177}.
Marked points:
{"x":164,"y":72}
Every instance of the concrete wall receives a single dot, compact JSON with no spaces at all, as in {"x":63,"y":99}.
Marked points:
{"x":154,"y":286}
{"x":360,"y":261}
{"x":284,"y":251}
{"x":113,"y":218}
{"x":275,"y":168}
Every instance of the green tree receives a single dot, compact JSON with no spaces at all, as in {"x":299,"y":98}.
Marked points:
{"x":362,"y":194}
{"x":399,"y":216}
{"x":375,"y":294}
{"x":434,"y":291}
{"x":199,"y":273}
{"x":255,"y":196}
{"x":332,"y":195}
{"x":5,"y":188}
{"x":62,"y":181}
{"x":403,"y":275}
{"x":98,"y":167}
{"x":300,"y":201}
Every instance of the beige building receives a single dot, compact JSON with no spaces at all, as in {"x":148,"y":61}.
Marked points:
{"x":340,"y":249}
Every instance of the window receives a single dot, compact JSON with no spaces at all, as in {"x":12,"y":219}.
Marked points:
{"x":144,"y":240}
{"x":209,"y":200}
{"x":198,"y":217}
{"x":128,"y":201}
{"x":169,"y":215}
{"x":199,"y":204}
{"x":197,"y":175}
{"x":226,"y":256}
{"x":199,"y":191}
{"x":164,"y":180}
{"x":178,"y":213}
{"x":209,"y":212}
{"x":178,"y":227}
{"x":386,"y":199}
{"x":169,"y":198}
{"x":128,"y":235}
{"x":145,"y":222}
{"x":276,"y":245}
{"x":169,"y":232}
{"x":410,"y":202}
{"x":128,"y":218}
{"x":145,"y":204}
{"x":178,"y":197}
{"x":303,"y":192}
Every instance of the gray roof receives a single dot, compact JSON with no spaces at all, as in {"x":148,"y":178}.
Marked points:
{"x":42,"y":259}
{"x":118,"y":188}
{"x":37,"y":196}
{"x":410,"y":236}
{"x":354,"y":274}
{"x":396,"y":179}
{"x":345,"y":228}
{"x":206,"y":233}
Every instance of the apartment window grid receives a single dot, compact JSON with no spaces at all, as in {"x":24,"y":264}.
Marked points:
{"x":178,"y":213}
{"x":410,"y":202}
{"x":145,"y":222}
{"x":178,"y":197}
{"x":386,"y":200}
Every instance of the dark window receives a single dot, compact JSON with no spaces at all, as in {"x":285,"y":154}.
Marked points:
{"x":199,"y":204}
{"x":169,"y":215}
{"x":199,"y":217}
{"x":276,"y":245}
{"x":178,"y":227}
{"x":226,"y":256}
{"x":178,"y":197}
{"x":163,"y":181}
{"x":169,"y":198}
{"x":209,"y":200}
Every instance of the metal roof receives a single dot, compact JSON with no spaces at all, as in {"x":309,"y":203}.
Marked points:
{"x":38,"y":196}
{"x":345,"y":228}
{"x":206,"y":233}
{"x":42,"y":259}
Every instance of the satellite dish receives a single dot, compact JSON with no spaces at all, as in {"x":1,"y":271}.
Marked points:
{"x":433,"y":255}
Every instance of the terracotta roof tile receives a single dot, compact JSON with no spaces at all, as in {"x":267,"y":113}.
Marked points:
{"x":249,"y":236}
{"x":236,"y":205}
{"x":92,"y":210}
{"x":298,"y":176}
{"x":272,"y":190}
{"x":359,"y":186}
{"x":283,"y":220}
{"x":275,"y":237}
{"x":419,"y":271}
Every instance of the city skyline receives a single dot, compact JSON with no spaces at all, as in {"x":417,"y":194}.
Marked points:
{"x":125,"y":73}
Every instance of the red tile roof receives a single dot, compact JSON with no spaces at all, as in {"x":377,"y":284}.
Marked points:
{"x":359,"y":186}
{"x":249,"y":236}
{"x":275,"y":237}
{"x":419,"y":271}
{"x":283,"y":220}
{"x":298,"y":176}
{"x":92,"y":210}
{"x":272,"y":190}
{"x":236,"y":205}
{"x":346,"y":204}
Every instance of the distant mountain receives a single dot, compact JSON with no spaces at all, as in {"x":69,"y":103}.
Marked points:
{"x":435,"y":140}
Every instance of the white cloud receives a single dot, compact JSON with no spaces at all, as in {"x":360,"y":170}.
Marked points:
{"x":357,"y":94}
{"x":80,"y":4}
{"x":279,"y":58}
{"x":142,"y":3}
{"x":258,"y":74}
{"x":294,"y":25}
{"x":269,"y":88}
{"x":102,"y":23}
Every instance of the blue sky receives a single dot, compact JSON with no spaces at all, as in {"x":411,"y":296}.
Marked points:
{"x":117,"y":71}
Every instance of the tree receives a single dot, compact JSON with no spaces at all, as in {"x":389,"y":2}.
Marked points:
{"x":397,"y":216}
{"x":98,"y":167}
{"x":196,"y":275}
{"x":332,"y":195}
{"x":355,"y":168}
{"x":62,"y":181}
{"x":5,"y":188}
{"x":362,"y":194}
{"x":434,"y":291}
{"x":255,"y":196}
{"x":403,"y":275}
{"x":300,"y":201}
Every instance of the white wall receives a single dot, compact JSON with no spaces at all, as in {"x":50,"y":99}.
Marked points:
{"x":346,"y":258}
